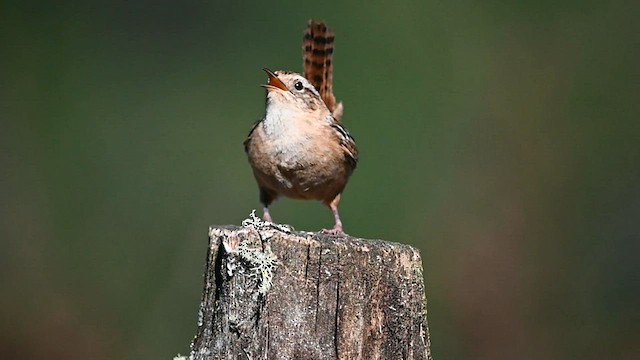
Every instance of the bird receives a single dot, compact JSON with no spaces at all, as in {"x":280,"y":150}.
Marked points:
{"x":299,"y":149}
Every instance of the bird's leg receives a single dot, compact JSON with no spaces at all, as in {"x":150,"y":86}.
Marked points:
{"x":266,"y":198}
{"x":337,"y":228}
{"x":265,"y":215}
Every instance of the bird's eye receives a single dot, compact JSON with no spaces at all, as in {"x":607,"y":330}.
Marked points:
{"x":298,"y":85}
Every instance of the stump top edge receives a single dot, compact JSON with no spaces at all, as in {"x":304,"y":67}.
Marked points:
{"x":344,"y":239}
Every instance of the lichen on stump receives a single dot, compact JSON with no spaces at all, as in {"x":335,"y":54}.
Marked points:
{"x":272,"y":293}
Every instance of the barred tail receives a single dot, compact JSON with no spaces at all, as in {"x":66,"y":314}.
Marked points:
{"x":318,"y":63}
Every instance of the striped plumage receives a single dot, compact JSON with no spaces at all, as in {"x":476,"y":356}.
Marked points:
{"x":317,"y":52}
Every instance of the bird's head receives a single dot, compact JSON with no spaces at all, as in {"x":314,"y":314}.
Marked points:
{"x":290,"y":89}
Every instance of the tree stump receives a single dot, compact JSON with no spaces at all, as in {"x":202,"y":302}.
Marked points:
{"x":273,"y":293}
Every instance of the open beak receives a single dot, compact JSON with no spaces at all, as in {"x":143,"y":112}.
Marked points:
{"x":274,"y":82}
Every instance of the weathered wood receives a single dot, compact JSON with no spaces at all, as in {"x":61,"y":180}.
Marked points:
{"x":276,"y":294}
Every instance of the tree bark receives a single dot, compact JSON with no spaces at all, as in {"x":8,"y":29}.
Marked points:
{"x":272,"y":293}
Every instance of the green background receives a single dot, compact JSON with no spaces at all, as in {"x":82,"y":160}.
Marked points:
{"x":500,"y":138}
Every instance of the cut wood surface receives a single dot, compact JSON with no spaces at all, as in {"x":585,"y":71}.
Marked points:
{"x":273,"y":293}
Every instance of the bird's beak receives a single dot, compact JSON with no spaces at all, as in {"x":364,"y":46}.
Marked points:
{"x":274,"y":82}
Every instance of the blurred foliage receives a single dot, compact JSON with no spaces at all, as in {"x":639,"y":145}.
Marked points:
{"x":502,"y":139}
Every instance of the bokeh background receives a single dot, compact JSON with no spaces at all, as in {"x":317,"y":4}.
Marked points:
{"x":501,"y":139}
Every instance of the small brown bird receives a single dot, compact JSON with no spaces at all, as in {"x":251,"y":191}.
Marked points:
{"x":299,"y":149}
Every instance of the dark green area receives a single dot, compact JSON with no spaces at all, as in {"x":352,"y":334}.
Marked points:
{"x":500,"y":139}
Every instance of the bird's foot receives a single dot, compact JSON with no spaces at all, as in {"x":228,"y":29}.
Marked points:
{"x":337,"y":230}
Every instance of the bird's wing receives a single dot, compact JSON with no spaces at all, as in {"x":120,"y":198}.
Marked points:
{"x":347,"y":142}
{"x":248,"y":139}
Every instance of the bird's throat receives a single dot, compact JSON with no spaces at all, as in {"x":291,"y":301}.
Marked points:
{"x":280,"y":120}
